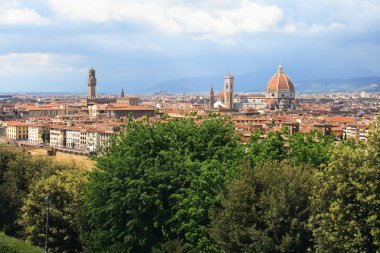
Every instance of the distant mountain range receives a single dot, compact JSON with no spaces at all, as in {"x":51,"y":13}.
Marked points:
{"x":252,"y":82}
{"x":335,"y":84}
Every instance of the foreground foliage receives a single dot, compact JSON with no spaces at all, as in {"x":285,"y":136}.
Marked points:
{"x":19,"y":171}
{"x":266,"y":210}
{"x":64,"y":187}
{"x":312,"y":148}
{"x":346,"y":199}
{"x":158,"y":183}
{"x":12,"y":245}
{"x":25,"y":181}
{"x":178,"y":187}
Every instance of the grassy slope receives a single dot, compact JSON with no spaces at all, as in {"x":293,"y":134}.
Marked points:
{"x":82,"y":161}
{"x":12,"y":245}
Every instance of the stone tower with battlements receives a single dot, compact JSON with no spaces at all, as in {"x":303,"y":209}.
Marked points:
{"x":91,"y":83}
{"x":228,"y":91}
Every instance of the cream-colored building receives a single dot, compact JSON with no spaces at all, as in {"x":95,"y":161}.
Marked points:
{"x":92,"y":140}
{"x":17,"y":131}
{"x":104,"y":137}
{"x":98,"y":139}
{"x":83,"y":140}
{"x":35,"y":134}
{"x":58,"y":136}
{"x":355,"y":132}
{"x":255,"y":101}
{"x":73,"y":138}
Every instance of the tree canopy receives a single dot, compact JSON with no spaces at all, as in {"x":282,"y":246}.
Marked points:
{"x":266,"y":210}
{"x":64,"y":188}
{"x":158,"y":183}
{"x":346,"y":199}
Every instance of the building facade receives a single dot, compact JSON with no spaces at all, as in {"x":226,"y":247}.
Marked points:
{"x":35,"y":134}
{"x":17,"y":131}
{"x":73,"y":138}
{"x":255,"y":101}
{"x":58,"y":137}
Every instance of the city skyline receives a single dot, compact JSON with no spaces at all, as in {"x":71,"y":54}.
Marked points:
{"x":50,"y":45}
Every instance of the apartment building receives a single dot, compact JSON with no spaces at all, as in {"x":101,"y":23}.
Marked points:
{"x":97,"y":139}
{"x":17,"y":131}
{"x":35,"y":133}
{"x":73,"y":137}
{"x":58,"y":136}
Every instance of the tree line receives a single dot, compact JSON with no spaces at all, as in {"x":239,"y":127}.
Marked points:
{"x":188,"y":185}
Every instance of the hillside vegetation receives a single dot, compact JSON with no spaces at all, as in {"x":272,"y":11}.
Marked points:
{"x":12,"y":245}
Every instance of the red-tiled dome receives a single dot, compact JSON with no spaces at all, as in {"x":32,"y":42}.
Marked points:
{"x":280,"y":81}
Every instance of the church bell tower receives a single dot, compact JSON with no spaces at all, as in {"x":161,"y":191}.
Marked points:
{"x":91,"y":83}
{"x":228,"y":91}
{"x":211,"y":100}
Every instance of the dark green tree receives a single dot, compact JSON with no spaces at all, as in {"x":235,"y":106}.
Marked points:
{"x":45,"y":136}
{"x":271,"y":148}
{"x":313,"y":148}
{"x":346,"y":199}
{"x":266,"y":210}
{"x":64,"y":187}
{"x":19,"y":170}
{"x":345,"y":204}
{"x":8,"y":154}
{"x":158,"y":183}
{"x":23,"y":172}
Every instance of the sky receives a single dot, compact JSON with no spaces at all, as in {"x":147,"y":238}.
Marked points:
{"x":49,"y":45}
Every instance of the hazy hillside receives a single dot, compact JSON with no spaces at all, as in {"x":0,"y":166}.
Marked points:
{"x":255,"y":82}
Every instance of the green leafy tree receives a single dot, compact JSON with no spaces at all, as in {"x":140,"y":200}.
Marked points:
{"x":23,"y":172}
{"x":158,"y":183}
{"x":313,"y":148}
{"x":346,"y":199}
{"x":19,"y":171}
{"x":64,"y":188}
{"x":174,"y":246}
{"x":268,"y":149}
{"x":345,"y":204}
{"x":45,"y":136}
{"x":266,"y":210}
{"x":8,"y":154}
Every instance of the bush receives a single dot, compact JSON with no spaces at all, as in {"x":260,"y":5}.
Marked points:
{"x":12,"y":245}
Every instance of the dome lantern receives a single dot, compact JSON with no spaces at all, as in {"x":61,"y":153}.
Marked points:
{"x":280,"y":69}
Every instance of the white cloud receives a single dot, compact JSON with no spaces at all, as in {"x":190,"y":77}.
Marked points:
{"x":37,"y":63}
{"x":116,"y":43}
{"x":21,"y":16}
{"x":289,"y":28}
{"x":245,"y":16}
{"x":331,"y":27}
